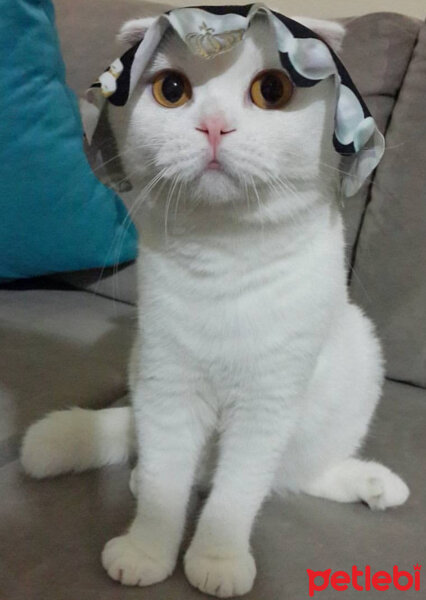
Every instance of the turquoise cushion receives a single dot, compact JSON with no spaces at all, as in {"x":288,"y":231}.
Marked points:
{"x":54,"y":214}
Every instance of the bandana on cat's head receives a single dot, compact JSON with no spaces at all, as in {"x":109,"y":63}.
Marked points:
{"x":208,"y":31}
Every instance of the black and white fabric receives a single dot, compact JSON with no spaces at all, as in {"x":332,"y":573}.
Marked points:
{"x":208,"y":31}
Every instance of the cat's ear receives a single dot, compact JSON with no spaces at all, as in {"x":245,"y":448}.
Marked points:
{"x":330,"y":31}
{"x":133,"y":31}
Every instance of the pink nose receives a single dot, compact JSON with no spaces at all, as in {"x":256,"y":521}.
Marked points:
{"x":214,"y":127}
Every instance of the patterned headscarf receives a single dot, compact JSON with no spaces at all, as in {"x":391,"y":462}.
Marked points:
{"x":307,"y":59}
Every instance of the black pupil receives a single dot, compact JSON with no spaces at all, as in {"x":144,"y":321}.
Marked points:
{"x":173,"y":87}
{"x":272,"y":88}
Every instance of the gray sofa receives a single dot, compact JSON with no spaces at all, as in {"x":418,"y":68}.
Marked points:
{"x":66,"y":340}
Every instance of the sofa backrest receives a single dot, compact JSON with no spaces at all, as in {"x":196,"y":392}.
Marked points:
{"x":389,"y":258}
{"x":377,"y":50}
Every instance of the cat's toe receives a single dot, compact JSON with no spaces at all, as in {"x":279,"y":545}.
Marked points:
{"x":221,"y":576}
{"x":128,"y":562}
{"x":384,"y":490}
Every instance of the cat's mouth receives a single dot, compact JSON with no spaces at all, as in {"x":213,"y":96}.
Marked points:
{"x":214,"y":165}
{"x":214,"y":181}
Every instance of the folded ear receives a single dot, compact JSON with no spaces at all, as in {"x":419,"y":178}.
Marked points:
{"x":133,"y":31}
{"x":330,"y":31}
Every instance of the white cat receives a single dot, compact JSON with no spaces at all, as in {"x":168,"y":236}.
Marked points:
{"x":246,"y":333}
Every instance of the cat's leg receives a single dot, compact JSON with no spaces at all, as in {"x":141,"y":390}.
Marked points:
{"x":219,"y":560}
{"x":341,"y":399}
{"x":205,"y":468}
{"x":170,"y":437}
{"x":355,"y":480}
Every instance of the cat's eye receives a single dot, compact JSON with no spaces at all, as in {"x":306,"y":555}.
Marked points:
{"x":271,"y":89}
{"x":171,"y":88}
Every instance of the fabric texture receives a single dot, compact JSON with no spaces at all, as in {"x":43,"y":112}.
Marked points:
{"x":60,"y":347}
{"x":208,"y":31}
{"x":390,"y":263}
{"x":56,"y":216}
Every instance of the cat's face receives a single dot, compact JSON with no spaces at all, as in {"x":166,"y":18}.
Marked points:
{"x":219,"y":142}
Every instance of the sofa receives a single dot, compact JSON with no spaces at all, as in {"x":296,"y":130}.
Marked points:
{"x":65,"y":341}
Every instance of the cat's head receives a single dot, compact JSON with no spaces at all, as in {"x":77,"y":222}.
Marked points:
{"x":227,"y":126}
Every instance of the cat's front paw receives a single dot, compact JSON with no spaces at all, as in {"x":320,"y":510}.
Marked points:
{"x":127,"y":561}
{"x":222,"y":576}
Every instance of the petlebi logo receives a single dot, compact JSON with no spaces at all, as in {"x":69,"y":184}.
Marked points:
{"x":366,"y":579}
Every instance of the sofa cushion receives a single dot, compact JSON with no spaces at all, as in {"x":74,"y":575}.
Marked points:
{"x":60,"y":347}
{"x":55,"y":215}
{"x":390,"y":265}
{"x":52,"y":532}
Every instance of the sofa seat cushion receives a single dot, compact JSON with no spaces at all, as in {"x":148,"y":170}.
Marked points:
{"x":52,"y":532}
{"x":60,"y":347}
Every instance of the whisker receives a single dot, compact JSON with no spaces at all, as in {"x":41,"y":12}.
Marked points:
{"x":260,"y":206}
{"x":119,"y":237}
{"x":167,"y":207}
{"x":181,"y":185}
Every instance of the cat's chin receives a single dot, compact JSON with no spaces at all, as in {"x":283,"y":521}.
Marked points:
{"x":215,"y":186}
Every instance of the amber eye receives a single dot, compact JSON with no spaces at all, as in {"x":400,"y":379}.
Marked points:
{"x":271,"y":89}
{"x":171,"y":89}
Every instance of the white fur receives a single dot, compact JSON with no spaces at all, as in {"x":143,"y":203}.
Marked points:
{"x":246,"y":330}
{"x":133,"y":31}
{"x":77,"y":440}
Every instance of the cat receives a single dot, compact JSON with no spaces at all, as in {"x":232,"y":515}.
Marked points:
{"x":249,"y":353}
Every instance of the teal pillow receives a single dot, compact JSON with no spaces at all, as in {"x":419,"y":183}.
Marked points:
{"x":54,"y":214}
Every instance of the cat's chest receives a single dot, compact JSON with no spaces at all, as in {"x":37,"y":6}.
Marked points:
{"x":237,"y":298}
